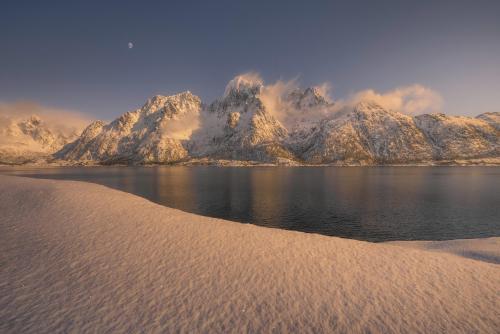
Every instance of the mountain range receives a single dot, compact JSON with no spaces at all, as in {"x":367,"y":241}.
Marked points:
{"x":298,"y":127}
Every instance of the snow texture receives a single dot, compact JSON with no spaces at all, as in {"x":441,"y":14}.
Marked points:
{"x":79,"y":257}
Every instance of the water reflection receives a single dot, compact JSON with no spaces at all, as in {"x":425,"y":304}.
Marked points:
{"x":376,"y":204}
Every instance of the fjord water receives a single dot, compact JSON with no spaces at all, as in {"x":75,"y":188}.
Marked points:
{"x":365,"y":203}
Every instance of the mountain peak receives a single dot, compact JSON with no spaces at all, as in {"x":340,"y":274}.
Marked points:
{"x":245,"y":84}
{"x":177,"y":101}
{"x":32,"y":123}
{"x":307,"y":98}
{"x":34,"y":119}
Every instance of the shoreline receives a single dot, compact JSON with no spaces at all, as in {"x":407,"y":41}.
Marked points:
{"x":84,"y":257}
{"x":483,"y":162}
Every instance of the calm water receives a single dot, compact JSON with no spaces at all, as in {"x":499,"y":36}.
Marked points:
{"x":369,"y":203}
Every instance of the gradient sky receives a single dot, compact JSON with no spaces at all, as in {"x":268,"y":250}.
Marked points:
{"x":75,"y":55}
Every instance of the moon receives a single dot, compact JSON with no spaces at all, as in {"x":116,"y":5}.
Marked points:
{"x":130,"y":45}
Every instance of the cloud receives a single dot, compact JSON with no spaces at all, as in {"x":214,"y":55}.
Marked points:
{"x":182,"y":127}
{"x":277,"y":100}
{"x":60,"y":120}
{"x":61,"y":123}
{"x":273,"y":97}
{"x":411,"y":100}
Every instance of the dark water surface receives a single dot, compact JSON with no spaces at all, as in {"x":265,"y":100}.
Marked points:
{"x":366,"y":203}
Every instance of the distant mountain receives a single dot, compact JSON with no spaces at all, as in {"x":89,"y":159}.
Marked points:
{"x":300,"y":127}
{"x":30,"y":139}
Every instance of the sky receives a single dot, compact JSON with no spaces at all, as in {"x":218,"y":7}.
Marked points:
{"x":75,"y":55}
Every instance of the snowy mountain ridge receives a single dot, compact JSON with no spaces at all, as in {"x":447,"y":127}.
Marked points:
{"x":298,"y":126}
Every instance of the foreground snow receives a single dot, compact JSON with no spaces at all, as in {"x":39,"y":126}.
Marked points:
{"x":81,"y":257}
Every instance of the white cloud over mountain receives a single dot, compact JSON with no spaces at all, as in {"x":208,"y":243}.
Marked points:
{"x":413,"y":100}
{"x":56,"y":118}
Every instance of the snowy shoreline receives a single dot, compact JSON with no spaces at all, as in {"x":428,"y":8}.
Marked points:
{"x":81,"y":257}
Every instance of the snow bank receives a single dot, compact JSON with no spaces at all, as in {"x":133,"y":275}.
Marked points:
{"x":84,"y":258}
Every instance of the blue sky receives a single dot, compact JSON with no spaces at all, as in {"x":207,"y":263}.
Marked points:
{"x":75,"y":55}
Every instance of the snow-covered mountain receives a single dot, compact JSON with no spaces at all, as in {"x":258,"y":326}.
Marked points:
{"x":29,"y":139}
{"x":366,"y":134}
{"x":296,"y":126}
{"x":156,"y":133}
{"x":492,"y":118}
{"x":458,"y":137}
{"x":370,"y":134}
{"x":239,"y":127}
